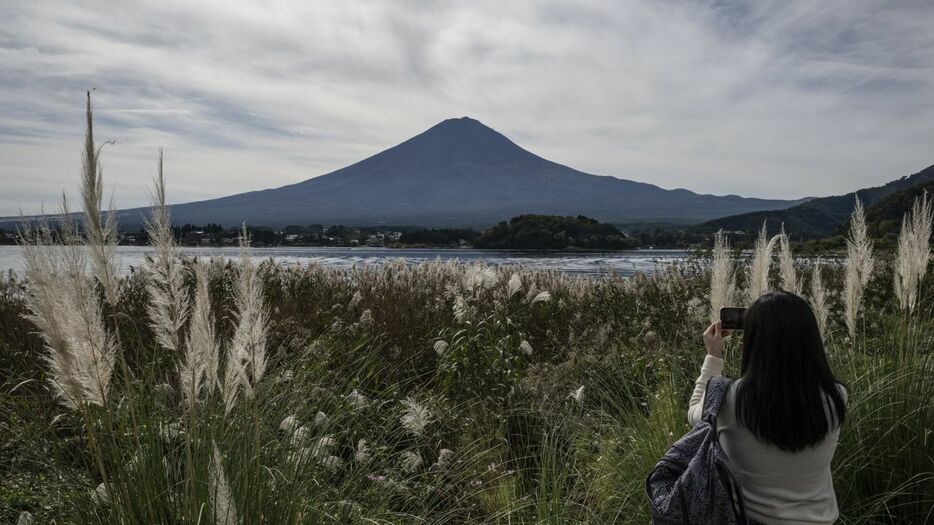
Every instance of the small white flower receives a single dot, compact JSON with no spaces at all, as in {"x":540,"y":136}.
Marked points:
{"x":332,"y":463}
{"x":578,"y":395}
{"x":357,"y":399}
{"x":301,"y":436}
{"x":362,"y":455}
{"x":321,"y":420}
{"x":525,"y":347}
{"x":289,"y":424}
{"x":514,"y":285}
{"x":411,"y":461}
{"x":286,"y":377}
{"x":323,"y":447}
{"x":100,"y":495}
{"x":416,"y":416}
{"x":445,"y":455}
{"x":440,"y":347}
{"x":355,"y":300}
{"x":169,"y":431}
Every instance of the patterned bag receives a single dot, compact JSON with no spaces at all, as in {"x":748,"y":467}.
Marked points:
{"x":694,"y":483}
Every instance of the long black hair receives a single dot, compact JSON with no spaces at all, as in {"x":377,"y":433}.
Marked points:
{"x":788,"y":396}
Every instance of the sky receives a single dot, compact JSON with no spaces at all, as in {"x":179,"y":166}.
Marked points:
{"x":778,"y":99}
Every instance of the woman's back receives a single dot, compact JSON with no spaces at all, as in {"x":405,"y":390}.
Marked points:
{"x":794,"y":487}
{"x":778,"y":486}
{"x":779,"y":424}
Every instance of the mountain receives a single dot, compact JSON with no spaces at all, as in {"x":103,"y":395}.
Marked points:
{"x":817,"y":217}
{"x":457,"y":173}
{"x":884,"y":218}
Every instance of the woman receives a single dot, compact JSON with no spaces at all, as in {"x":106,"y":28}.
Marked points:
{"x":780,"y":421}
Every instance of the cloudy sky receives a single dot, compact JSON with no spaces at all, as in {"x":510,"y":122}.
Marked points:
{"x":770,"y":98}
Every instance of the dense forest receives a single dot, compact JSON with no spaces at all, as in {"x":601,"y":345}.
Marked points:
{"x":550,"y":232}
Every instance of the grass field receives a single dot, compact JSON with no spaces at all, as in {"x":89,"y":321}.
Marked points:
{"x":531,"y":410}
{"x":218,"y":392}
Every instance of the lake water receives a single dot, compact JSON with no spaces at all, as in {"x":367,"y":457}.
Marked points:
{"x":621,"y":262}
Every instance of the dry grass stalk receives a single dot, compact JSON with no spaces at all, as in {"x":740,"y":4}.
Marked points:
{"x":198,"y":370}
{"x":786,"y":264}
{"x":246,"y":355}
{"x":757,"y":273}
{"x":168,"y":296}
{"x":819,"y":299}
{"x":722,"y":276}
{"x":225,"y":511}
{"x":858,"y":267}
{"x":100,"y":233}
{"x":63,"y":303}
{"x":914,"y":251}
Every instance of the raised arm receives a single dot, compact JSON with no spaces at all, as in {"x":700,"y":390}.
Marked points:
{"x":712,"y":367}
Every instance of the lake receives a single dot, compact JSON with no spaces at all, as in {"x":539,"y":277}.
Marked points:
{"x":590,"y":263}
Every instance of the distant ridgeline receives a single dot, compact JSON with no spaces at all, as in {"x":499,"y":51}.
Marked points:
{"x":819,"y":218}
{"x":550,"y":232}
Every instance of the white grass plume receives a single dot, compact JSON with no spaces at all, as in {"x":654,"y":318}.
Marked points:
{"x":786,"y":264}
{"x":225,"y":511}
{"x":168,"y":297}
{"x":858,"y":267}
{"x":757,"y":273}
{"x":415,"y":417}
{"x":246,"y":355}
{"x":63,"y":303}
{"x":818,"y":299}
{"x":101,"y":233}
{"x":914,"y":251}
{"x":198,"y":370}
{"x":722,"y":276}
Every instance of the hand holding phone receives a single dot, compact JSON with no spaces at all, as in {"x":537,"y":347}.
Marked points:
{"x":714,"y":340}
{"x":731,"y":318}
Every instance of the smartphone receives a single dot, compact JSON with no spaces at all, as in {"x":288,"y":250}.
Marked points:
{"x":731,"y":318}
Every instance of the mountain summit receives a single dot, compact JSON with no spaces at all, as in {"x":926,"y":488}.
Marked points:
{"x":459,"y":172}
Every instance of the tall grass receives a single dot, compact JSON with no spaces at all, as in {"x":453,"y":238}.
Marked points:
{"x":436,"y":393}
{"x":859,"y":268}
{"x":757,"y":272}
{"x":914,"y":252}
{"x":722,"y":276}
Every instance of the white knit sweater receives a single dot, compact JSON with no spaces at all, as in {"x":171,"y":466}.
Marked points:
{"x":779,"y":487}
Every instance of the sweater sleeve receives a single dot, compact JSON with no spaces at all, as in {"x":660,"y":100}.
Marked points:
{"x":712,"y":367}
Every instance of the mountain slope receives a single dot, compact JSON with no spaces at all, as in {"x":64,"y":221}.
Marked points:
{"x":884,"y":218}
{"x":817,"y":217}
{"x":458,"y":173}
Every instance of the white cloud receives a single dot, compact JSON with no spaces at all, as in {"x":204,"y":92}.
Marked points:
{"x":772,"y":98}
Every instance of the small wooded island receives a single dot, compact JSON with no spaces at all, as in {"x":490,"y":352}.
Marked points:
{"x":550,"y":232}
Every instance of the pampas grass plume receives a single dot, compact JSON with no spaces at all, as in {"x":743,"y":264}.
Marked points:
{"x":168,"y":297}
{"x":786,"y":264}
{"x":722,"y":276}
{"x":198,"y":370}
{"x":819,"y":299}
{"x":858,"y":267}
{"x":914,"y":251}
{"x":757,"y":273}
{"x":101,"y":233}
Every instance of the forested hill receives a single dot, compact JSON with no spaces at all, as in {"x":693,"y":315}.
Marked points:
{"x":884,"y":218}
{"x":547,"y":232}
{"x":818,"y":217}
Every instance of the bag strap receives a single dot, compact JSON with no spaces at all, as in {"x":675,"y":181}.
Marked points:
{"x":717,"y":388}
{"x":731,"y":484}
